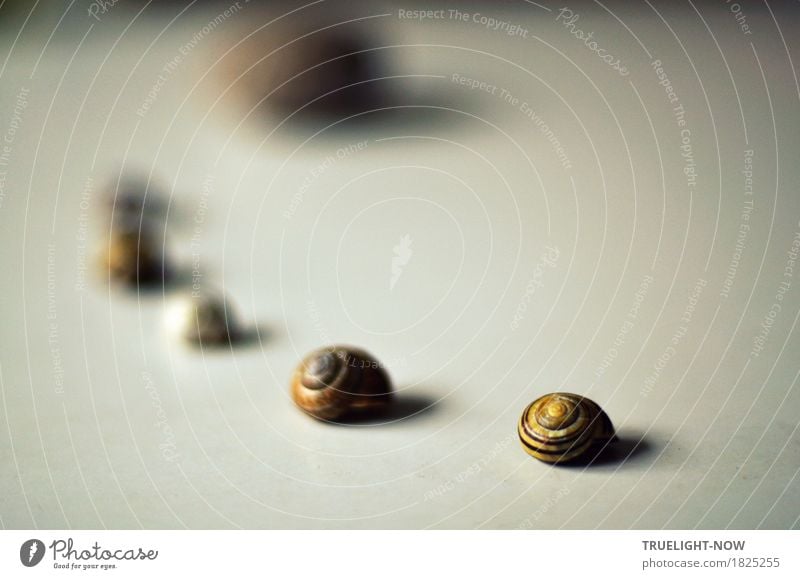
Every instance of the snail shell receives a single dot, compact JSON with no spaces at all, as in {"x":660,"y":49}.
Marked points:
{"x":305,"y":67}
{"x":133,"y":257}
{"x":133,"y":204}
{"x":206,"y":318}
{"x":332,"y":382}
{"x":560,"y":427}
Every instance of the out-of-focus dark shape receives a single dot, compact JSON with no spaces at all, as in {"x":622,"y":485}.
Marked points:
{"x":134,"y":204}
{"x":306,"y":69}
{"x":135,"y":258}
{"x":327,"y":72}
{"x":135,"y":219}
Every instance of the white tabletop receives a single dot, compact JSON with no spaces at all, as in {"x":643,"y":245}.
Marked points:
{"x":565,"y":232}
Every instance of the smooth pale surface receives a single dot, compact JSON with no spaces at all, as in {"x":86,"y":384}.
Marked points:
{"x":601,"y":273}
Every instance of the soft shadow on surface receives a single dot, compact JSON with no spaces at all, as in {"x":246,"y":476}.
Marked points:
{"x":257,"y":334}
{"x":369,"y":124}
{"x":169,"y":281}
{"x":243,"y":338}
{"x":630,"y":448}
{"x":175,"y":279}
{"x":403,"y":408}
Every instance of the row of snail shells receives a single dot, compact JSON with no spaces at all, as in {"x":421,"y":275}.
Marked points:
{"x":562,"y":427}
{"x":339,"y":382}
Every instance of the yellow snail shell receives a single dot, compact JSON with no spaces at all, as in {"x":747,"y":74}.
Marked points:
{"x":560,"y":427}
{"x":333,"y":382}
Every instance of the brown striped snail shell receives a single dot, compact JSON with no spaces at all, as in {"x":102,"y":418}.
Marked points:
{"x":336,"y":381}
{"x":561,"y":427}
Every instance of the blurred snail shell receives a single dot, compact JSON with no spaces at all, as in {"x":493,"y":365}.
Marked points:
{"x":309,"y":65}
{"x":134,"y":204}
{"x":339,"y":380}
{"x":560,"y":427}
{"x":202,"y":318}
{"x":134,"y":257}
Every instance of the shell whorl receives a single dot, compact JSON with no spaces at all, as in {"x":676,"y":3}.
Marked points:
{"x":323,"y":370}
{"x":560,"y":427}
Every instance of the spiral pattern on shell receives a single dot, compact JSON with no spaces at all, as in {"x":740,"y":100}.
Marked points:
{"x":332,"y":382}
{"x":560,"y":427}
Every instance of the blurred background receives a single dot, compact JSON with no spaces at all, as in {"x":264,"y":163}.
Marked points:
{"x":496,"y":199}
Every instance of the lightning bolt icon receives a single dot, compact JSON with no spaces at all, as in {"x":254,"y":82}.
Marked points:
{"x":34,"y":549}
